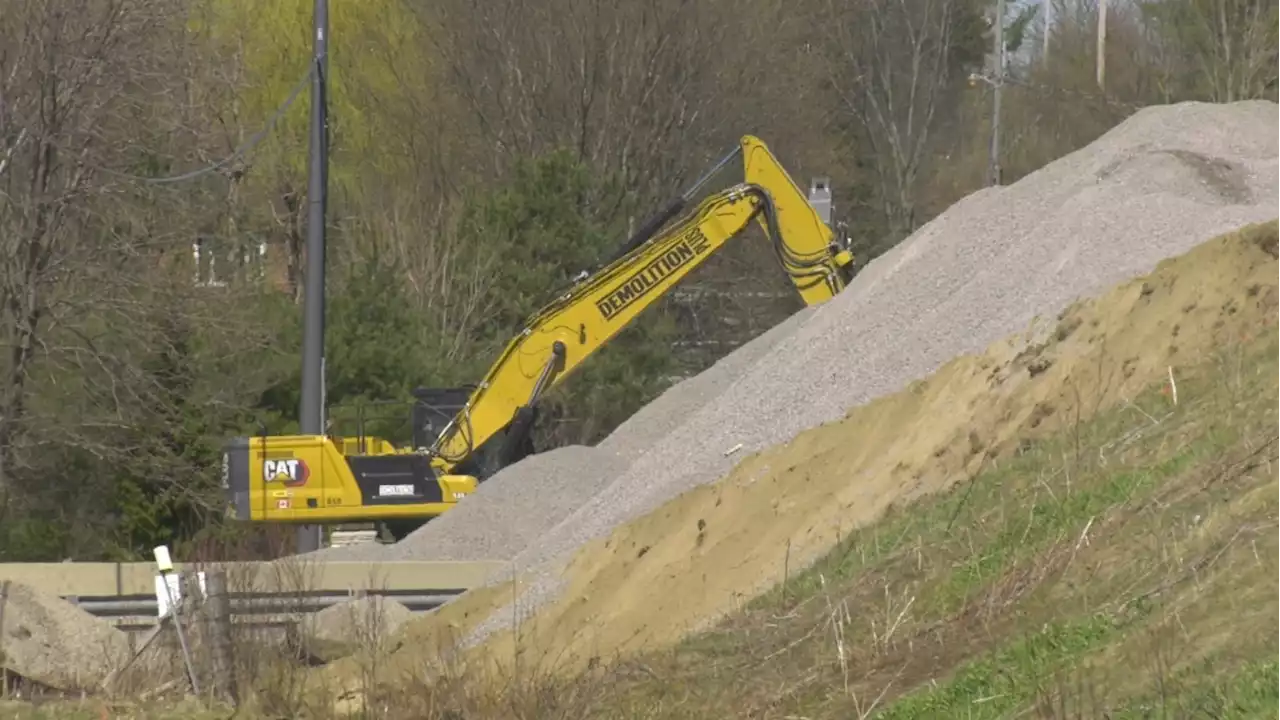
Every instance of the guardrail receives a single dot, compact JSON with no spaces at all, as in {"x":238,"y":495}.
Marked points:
{"x":99,"y":580}
{"x":267,"y":592}
{"x":131,"y":606}
{"x":139,"y":613}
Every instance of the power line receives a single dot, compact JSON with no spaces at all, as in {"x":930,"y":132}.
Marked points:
{"x":1056,"y":90}
{"x":237,"y":153}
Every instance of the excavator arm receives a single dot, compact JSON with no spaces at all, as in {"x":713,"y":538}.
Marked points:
{"x":319,"y":479}
{"x":560,"y":337}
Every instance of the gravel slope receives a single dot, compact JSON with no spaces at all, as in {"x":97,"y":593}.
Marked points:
{"x":511,"y":509}
{"x":654,"y":421}
{"x":1167,"y":179}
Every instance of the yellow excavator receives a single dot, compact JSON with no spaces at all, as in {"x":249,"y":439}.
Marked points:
{"x":318,"y":479}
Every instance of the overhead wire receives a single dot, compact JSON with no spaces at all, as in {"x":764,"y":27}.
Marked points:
{"x":239,"y":151}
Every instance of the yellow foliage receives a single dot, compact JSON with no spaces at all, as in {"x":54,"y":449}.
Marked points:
{"x":377,"y":54}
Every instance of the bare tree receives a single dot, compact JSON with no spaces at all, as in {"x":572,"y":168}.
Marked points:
{"x":72,"y":75}
{"x":639,"y":90}
{"x":895,"y":65}
{"x":646,"y":94}
{"x":1224,"y":50}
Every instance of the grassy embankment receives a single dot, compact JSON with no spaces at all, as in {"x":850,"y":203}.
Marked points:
{"x":1114,"y":551}
{"x":1119,"y":563}
{"x":1126,"y":566}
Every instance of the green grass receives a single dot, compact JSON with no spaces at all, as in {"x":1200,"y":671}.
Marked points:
{"x":1245,"y":691}
{"x":1122,"y":567}
{"x":1008,"y":678}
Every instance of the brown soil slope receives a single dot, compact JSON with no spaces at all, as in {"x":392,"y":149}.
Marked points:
{"x":683,"y":566}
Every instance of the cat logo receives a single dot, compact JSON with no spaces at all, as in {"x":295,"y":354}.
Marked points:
{"x":289,"y":472}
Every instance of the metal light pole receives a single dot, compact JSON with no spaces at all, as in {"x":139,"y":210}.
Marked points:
{"x":1102,"y":45}
{"x":311,"y":408}
{"x":1048,"y":30}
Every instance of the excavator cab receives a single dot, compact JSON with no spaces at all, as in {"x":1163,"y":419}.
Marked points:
{"x":433,"y":409}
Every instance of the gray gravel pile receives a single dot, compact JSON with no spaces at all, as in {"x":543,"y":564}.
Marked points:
{"x":651,"y":423}
{"x":506,"y":513}
{"x":1164,"y":181}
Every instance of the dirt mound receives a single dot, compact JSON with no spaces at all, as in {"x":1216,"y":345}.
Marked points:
{"x":987,"y":267}
{"x":699,"y":556}
{"x":47,"y":639}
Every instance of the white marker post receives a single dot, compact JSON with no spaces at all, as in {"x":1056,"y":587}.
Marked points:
{"x":165,"y":565}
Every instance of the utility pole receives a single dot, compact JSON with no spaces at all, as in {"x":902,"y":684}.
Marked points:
{"x":311,"y":408}
{"x":1102,"y":44}
{"x":1047,"y":5}
{"x":994,"y":170}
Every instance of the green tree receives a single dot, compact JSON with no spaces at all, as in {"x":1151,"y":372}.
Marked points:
{"x":537,"y":232}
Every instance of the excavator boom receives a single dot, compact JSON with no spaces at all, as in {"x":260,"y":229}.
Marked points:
{"x":559,"y":337}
